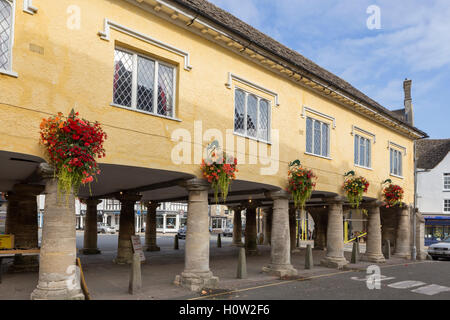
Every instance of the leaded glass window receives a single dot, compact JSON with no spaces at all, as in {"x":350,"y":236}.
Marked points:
{"x":144,"y":84}
{"x":251,"y":115}
{"x":6,"y":28}
{"x":317,"y":137}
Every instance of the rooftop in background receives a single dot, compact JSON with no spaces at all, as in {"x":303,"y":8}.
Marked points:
{"x":431,"y":152}
{"x":255,"y":37}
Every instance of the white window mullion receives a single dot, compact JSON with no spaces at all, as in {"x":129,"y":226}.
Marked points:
{"x":174,"y":92}
{"x":313,"y":134}
{"x":155,"y":90}
{"x":245,"y":114}
{"x":134,"y":82}
{"x":258,"y":126}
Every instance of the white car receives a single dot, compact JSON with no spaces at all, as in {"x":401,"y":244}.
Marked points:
{"x":440,"y":250}
{"x":104,"y":228}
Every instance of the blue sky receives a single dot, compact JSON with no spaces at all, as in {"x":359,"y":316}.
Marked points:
{"x":413,"y":42}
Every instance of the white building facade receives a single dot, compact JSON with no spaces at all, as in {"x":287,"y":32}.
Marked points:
{"x":433,"y":188}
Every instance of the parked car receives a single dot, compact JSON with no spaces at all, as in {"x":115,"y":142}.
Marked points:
{"x":228,"y":232}
{"x":440,"y":250}
{"x":104,"y":228}
{"x":182,"y":233}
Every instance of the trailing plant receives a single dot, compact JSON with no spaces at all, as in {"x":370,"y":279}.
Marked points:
{"x":220,"y":170}
{"x":72,"y":146}
{"x":354,"y":188}
{"x":301,"y":183}
{"x":392,"y":194}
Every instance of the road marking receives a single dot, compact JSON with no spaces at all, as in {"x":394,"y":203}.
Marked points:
{"x":298,"y":280}
{"x":406,"y":284}
{"x":382,"y":278}
{"x":431,"y":290}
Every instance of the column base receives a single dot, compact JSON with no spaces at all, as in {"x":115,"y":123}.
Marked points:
{"x":295,"y":250}
{"x":252,"y":252}
{"x":56,"y":290}
{"x":284,"y":270}
{"x":197,"y":281}
{"x":333,"y":262}
{"x":373,"y":257}
{"x":122,"y":260}
{"x":89,"y":251}
{"x":402,"y":255}
{"x":238,"y":244}
{"x":152,"y":248}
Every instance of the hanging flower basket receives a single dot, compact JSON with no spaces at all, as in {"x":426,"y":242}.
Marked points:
{"x":354,"y":189}
{"x":301,"y":183}
{"x":220,"y":170}
{"x":393,"y":195}
{"x":72,"y":145}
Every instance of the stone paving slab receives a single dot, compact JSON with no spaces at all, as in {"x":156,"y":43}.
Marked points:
{"x":109,"y":281}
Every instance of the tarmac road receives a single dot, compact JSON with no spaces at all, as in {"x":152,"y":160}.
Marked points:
{"x":410,"y":281}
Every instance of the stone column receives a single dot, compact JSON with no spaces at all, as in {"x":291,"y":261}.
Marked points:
{"x":57,"y":263}
{"x":268,"y":214}
{"x":251,"y":247}
{"x":402,"y":242}
{"x":196,"y":274}
{"x":25,"y":225}
{"x":237,"y":227}
{"x":293,"y":228}
{"x":389,"y":223}
{"x":90,"y":227}
{"x":126,"y":227}
{"x":150,"y":227}
{"x":320,"y":216}
{"x":335,"y":234}
{"x":420,"y":237}
{"x":374,"y":251}
{"x":280,"y":264}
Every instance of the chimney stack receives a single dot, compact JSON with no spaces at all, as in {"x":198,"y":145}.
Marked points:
{"x":409,"y":113}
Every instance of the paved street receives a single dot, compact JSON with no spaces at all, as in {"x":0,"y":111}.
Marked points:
{"x":109,"y":281}
{"x":409,"y":281}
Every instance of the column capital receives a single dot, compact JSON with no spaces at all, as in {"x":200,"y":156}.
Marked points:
{"x":250,"y":204}
{"x":372,"y":204}
{"x":46,"y":171}
{"x":151,"y":205}
{"x":128,"y":196}
{"x":90,"y":201}
{"x":278,"y":194}
{"x":335,"y":200}
{"x":196,"y":185}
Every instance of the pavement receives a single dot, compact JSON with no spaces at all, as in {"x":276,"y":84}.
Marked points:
{"x":109,"y":281}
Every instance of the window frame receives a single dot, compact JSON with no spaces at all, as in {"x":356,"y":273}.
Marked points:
{"x":328,"y":156}
{"x":392,"y":151}
{"x":269,"y":116}
{"x":134,"y":85}
{"x":10,"y":72}
{"x":446,"y":183}
{"x":369,"y":166}
{"x":444,"y":206}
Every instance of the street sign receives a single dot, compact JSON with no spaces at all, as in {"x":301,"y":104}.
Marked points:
{"x":137,"y":246}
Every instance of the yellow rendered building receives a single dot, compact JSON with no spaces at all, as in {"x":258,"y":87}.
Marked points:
{"x":165,"y":78}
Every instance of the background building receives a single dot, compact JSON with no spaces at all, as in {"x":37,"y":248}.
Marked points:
{"x":433,"y":187}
